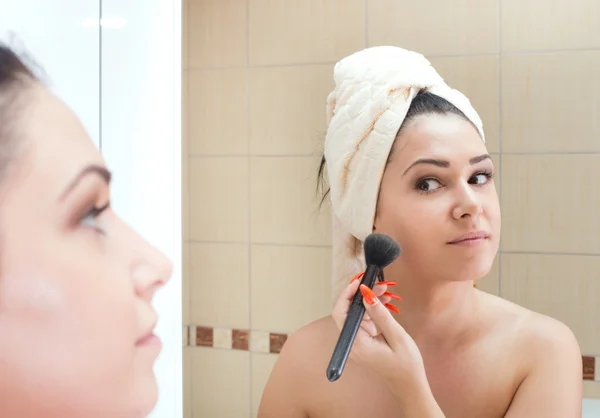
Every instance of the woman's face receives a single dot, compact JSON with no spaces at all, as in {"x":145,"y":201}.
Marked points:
{"x":438,"y":187}
{"x":76,"y":283}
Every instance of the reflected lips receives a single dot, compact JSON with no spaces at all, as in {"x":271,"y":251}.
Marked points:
{"x":470,"y":239}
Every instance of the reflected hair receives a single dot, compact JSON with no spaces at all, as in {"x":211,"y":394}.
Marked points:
{"x":424,"y":103}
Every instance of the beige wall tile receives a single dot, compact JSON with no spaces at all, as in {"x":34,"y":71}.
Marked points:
{"x":187,"y":382}
{"x":184,"y":155}
{"x":591,"y":390}
{"x":287,"y":109}
{"x":185,"y":282}
{"x":550,"y":102}
{"x":219,"y":199}
{"x":284,"y":203}
{"x":304,"y":31}
{"x":290,"y":286}
{"x":221,"y":380}
{"x":222,"y":338}
{"x":262,"y":364}
{"x":558,"y":24}
{"x":184,"y":34}
{"x":561,"y":286}
{"x":260,"y":341}
{"x":477,"y":77}
{"x":219,"y":283}
{"x":185,"y":89}
{"x":216,"y":33}
{"x":218,"y":112}
{"x":185,"y":197}
{"x":435,"y":27}
{"x":550,"y":203}
{"x":491,"y":282}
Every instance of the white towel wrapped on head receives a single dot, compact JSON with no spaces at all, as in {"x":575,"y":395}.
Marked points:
{"x":373,"y":92}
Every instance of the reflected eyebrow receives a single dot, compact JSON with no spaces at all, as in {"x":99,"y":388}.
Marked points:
{"x":90,"y":169}
{"x":445,"y":164}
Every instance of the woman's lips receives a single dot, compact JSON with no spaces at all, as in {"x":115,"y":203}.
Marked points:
{"x":470,"y":239}
{"x":149,"y":340}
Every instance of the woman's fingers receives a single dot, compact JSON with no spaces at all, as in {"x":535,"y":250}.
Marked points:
{"x":380,"y":315}
{"x":342,"y":305}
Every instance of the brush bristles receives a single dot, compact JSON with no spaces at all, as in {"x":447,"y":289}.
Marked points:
{"x":380,"y":250}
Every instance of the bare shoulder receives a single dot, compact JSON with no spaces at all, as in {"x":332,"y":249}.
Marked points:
{"x":306,"y":348}
{"x":321,"y":328}
{"x":299,"y":368}
{"x":532,"y":329}
{"x":548,"y":356}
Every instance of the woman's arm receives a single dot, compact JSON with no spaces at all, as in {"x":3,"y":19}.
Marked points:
{"x":417,"y":402}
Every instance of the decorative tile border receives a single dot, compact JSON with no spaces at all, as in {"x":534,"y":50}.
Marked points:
{"x":591,"y":368}
{"x":272,"y":342}
{"x":235,"y":339}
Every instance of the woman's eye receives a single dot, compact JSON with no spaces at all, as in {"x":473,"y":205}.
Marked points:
{"x":480,"y":178}
{"x":428,"y":185}
{"x":90,"y":219}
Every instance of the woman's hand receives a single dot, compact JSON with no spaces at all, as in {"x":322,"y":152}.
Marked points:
{"x":381,"y":343}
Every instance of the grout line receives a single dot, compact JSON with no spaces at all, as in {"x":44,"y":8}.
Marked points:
{"x":550,"y":51}
{"x":553,"y":153}
{"x":500,"y":137}
{"x":366,"y":23}
{"x":472,"y":55}
{"x":550,"y":253}
{"x":313,"y":155}
{"x":188,"y":168}
{"x":499,"y":153}
{"x":261,"y":66}
{"x":259,"y":244}
{"x":249,"y":197}
{"x":276,"y":244}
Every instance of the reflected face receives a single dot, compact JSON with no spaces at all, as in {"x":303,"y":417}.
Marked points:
{"x":438,"y":200}
{"x":76,"y":283}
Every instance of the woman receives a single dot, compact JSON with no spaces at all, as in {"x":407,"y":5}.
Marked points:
{"x":405,"y":156}
{"x":76,"y":283}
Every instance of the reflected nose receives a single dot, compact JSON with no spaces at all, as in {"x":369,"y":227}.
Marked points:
{"x":468,"y":204}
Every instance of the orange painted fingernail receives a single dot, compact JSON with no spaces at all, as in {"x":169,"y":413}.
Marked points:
{"x":368,"y":294}
{"x":358,"y":276}
{"x":392,"y":296}
{"x":389,"y":284}
{"x":392,"y":308}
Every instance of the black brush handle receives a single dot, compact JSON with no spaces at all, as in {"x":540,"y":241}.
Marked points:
{"x":350,"y":328}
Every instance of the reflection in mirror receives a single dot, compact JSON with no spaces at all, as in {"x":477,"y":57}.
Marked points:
{"x":258,"y":79}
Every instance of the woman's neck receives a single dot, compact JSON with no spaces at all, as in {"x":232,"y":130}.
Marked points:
{"x":434,"y":312}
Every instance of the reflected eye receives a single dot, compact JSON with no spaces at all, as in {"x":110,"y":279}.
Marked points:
{"x":90,"y":219}
{"x":427,"y":185}
{"x":481,"y":178}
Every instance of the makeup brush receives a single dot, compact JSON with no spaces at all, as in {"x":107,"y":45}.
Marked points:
{"x":380,"y":251}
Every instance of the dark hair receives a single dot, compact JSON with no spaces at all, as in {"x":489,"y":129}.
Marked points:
{"x":15,"y":79}
{"x":424,"y":103}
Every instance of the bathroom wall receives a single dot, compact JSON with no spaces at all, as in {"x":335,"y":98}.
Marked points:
{"x":256,"y":76}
